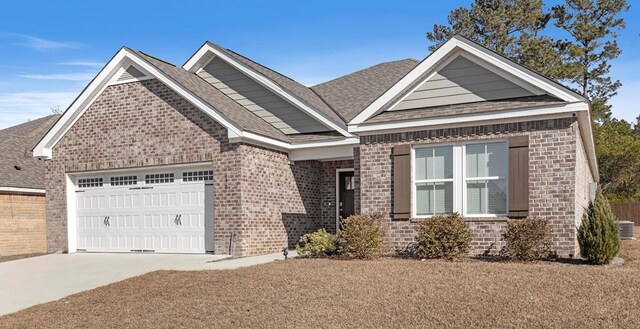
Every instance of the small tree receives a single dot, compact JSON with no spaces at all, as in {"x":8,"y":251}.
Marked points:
{"x":598,"y":235}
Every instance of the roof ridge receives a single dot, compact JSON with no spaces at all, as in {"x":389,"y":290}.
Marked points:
{"x":260,"y":64}
{"x":366,"y":68}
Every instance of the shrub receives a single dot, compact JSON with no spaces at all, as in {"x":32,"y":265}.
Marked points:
{"x":527,"y":239}
{"x":443,"y":236}
{"x":317,"y":244}
{"x":362,"y":237}
{"x":598,"y":234}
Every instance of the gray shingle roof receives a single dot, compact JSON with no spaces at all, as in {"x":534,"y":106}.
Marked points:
{"x":16,"y":144}
{"x":301,"y":92}
{"x":352,"y":93}
{"x":214,"y":97}
{"x":467,"y":108}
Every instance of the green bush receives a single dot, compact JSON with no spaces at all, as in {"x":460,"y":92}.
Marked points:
{"x":443,"y":236}
{"x":598,"y":234}
{"x":527,"y":239}
{"x":362,"y":237}
{"x":317,"y":244}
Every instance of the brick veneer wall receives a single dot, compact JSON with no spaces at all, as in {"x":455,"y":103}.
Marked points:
{"x":22,"y":224}
{"x":258,"y":195}
{"x":552,"y":172}
{"x":583,"y":179}
{"x":143,"y":124}
{"x":280,"y":201}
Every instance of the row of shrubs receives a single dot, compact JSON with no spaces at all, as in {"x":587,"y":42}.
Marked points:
{"x":444,"y":236}
{"x":449,"y":236}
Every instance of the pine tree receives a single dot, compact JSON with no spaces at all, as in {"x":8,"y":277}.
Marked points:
{"x":593,"y":27}
{"x":598,"y":234}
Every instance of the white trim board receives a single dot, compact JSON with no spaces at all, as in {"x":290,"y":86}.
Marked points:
{"x":458,"y":43}
{"x":21,"y":190}
{"x":196,"y":62}
{"x":515,"y":115}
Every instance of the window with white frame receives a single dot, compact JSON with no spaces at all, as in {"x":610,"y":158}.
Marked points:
{"x":434,"y":180}
{"x":470,"y":179}
{"x":486,"y":178}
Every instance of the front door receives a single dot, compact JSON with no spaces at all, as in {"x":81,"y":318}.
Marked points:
{"x":346,"y":191}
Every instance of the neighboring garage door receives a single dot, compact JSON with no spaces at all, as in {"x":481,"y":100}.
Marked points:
{"x":167,"y":211}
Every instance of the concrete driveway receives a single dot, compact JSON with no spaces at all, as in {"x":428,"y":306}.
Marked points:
{"x":31,"y":281}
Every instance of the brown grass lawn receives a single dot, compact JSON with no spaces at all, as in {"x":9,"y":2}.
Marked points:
{"x":391,"y":293}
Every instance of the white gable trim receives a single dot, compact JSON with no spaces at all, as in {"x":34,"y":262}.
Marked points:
{"x":448,"y":49}
{"x":100,"y":83}
{"x":515,"y":115}
{"x":193,"y":65}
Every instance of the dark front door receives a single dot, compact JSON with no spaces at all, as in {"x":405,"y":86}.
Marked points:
{"x":346,"y":195}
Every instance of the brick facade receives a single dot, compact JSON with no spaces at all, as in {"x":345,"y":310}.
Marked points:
{"x":258,"y":195}
{"x":267,"y":202}
{"x":22,"y":224}
{"x":552,"y":184}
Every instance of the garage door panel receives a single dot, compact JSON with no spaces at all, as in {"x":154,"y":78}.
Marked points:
{"x":159,"y":215}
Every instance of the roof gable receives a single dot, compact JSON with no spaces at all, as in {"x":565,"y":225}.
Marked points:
{"x":487,"y":59}
{"x":258,"y":99}
{"x":460,"y":81}
{"x":293,"y":92}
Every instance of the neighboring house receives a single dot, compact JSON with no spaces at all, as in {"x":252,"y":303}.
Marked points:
{"x":228,"y":156}
{"x":22,"y":193}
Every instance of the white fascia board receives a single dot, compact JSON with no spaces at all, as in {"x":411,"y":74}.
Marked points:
{"x":322,"y":153}
{"x":264,"y":81}
{"x":256,"y":139}
{"x":447,"y":49}
{"x":586,"y":133}
{"x":514,"y":115}
{"x":101,"y":82}
{"x":19,"y":190}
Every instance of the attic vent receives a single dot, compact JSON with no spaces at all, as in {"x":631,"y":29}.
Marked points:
{"x":131,"y":73}
{"x":626,"y":229}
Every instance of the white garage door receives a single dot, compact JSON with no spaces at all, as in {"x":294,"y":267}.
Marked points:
{"x":151,"y":211}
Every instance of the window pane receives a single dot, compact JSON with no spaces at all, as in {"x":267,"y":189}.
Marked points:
{"x":497,"y":196}
{"x":434,"y":163}
{"x":487,"y":197}
{"x":434,"y":198}
{"x":497,"y":159}
{"x":483,"y":160}
{"x":475,"y":197}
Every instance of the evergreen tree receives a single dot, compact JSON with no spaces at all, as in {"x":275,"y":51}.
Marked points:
{"x":593,"y":27}
{"x":598,"y":234}
{"x":509,"y":27}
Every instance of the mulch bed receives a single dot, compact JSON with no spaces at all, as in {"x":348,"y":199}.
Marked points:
{"x":389,"y":293}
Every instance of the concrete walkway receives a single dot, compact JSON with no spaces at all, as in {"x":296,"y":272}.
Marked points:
{"x":31,"y":281}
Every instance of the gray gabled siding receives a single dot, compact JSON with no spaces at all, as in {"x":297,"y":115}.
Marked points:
{"x":461,"y":81}
{"x":258,"y":99}
{"x":131,"y":73}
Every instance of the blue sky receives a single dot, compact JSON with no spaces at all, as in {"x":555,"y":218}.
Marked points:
{"x":49,"y":50}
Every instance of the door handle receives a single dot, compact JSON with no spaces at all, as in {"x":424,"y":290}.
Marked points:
{"x":109,"y":221}
{"x":106,"y":221}
{"x":180,"y":219}
{"x":175,"y":220}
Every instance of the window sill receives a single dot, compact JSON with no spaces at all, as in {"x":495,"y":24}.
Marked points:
{"x":468,"y":219}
